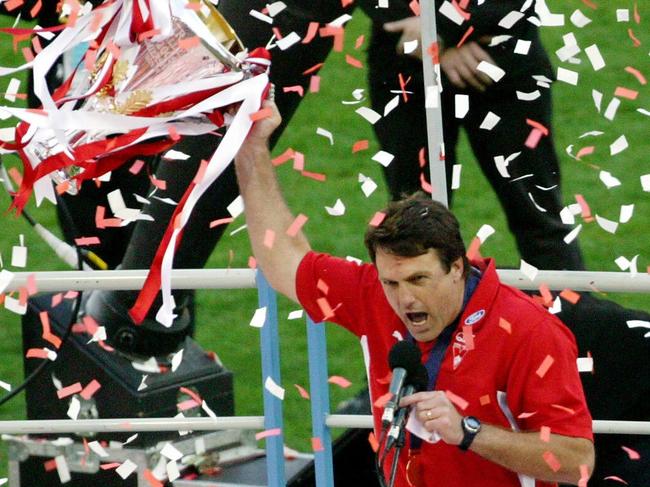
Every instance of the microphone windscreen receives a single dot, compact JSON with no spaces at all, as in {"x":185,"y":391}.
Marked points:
{"x":419,"y":379}
{"x":406,"y":355}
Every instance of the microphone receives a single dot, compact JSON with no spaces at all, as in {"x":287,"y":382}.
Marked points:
{"x":404,"y":359}
{"x":417,"y":381}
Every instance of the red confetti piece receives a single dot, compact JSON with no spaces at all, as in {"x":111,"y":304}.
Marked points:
{"x":382,"y":400}
{"x":637,"y":74}
{"x":526,"y":415}
{"x":87,"y":241}
{"x":637,"y":17}
{"x":337,"y":33}
{"x":299,"y":161}
{"x":193,"y":6}
{"x":322,"y":286}
{"x":36,"y":45}
{"x":287,"y":155}
{"x":173,"y":133}
{"x":467,"y":33}
{"x":374,"y":444}
{"x":158,"y":183}
{"x":294,"y":89}
{"x":148,"y":34}
{"x":187,"y":405}
{"x":302,"y":391}
{"x":468,"y":336}
{"x":537,"y":125}
{"x":377,"y":219}
{"x":552,"y":461}
{"x":359,"y":42}
{"x":148,"y":476}
{"x":360,"y":145}
{"x":473,"y":251}
{"x":325,"y":308}
{"x":571,"y":296}
{"x":317,"y":444}
{"x":312,"y":30}
{"x":56,"y":300}
{"x":635,"y":41}
{"x":13,"y":4}
{"x":424,"y":184}
{"x":49,"y":465}
{"x":616,"y":479}
{"x":402,"y":87}
{"x":36,"y":353}
{"x":414,"y":5}
{"x":563,"y":408}
{"x":252,"y":262}
{"x":314,"y":84}
{"x":545,"y":434}
{"x":221,"y":221}
{"x":590,"y":4}
{"x":547,"y":297}
{"x":484,"y":400}
{"x":633,"y":454}
{"x":584,"y":208}
{"x":114,"y":50}
{"x":457,"y":400}
{"x":31,"y":287}
{"x":277,"y":33}
{"x":314,"y":175}
{"x":626,"y":93}
{"x":460,"y":10}
{"x":546,"y":364}
{"x":137,"y":166}
{"x":345,"y":3}
{"x":47,"y":331}
{"x":109,"y":466}
{"x":90,"y":389}
{"x":314,"y":68}
{"x":339,"y":381}
{"x":33,"y":13}
{"x":585,"y":151}
{"x":505,"y":324}
{"x":584,"y":476}
{"x":261,"y":114}
{"x":533,"y":138}
{"x":69,"y":390}
{"x":297,"y":224}
{"x":268,"y":433}
{"x":354,"y":62}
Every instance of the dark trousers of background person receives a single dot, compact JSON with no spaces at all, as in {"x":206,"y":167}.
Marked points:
{"x":534,"y":174}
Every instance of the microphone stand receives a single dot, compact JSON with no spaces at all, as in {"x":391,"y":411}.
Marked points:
{"x":398,"y":444}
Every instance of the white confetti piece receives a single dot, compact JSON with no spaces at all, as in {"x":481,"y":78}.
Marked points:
{"x":595,"y":57}
{"x":567,"y":52}
{"x":410,"y":46}
{"x":567,"y":216}
{"x":571,"y":236}
{"x":626,"y":213}
{"x":597,"y":96}
{"x":5,"y":385}
{"x":170,"y":452}
{"x":622,"y":15}
{"x":461,"y":105}
{"x":174,"y":155}
{"x":208,"y":410}
{"x":645,"y":184}
{"x":296,"y":314}
{"x":449,"y":11}
{"x":579,"y":19}
{"x":533,"y":95}
{"x":98,"y":449}
{"x":511,"y":19}
{"x":494,"y":72}
{"x":556,"y":307}
{"x":19,"y":254}
{"x":368,"y":186}
{"x":609,"y":180}
{"x":528,"y":270}
{"x":150,"y":365}
{"x":384,"y":158}
{"x":567,"y":76}
{"x":288,"y":41}
{"x":7,"y":134}
{"x":126,"y":469}
{"x":143,"y":383}
{"x":325,"y":133}
{"x":643,"y":111}
{"x":259,"y":317}
{"x":130,"y":439}
{"x":391,"y":105}
{"x":638,"y":324}
{"x":369,"y":114}
{"x":337,"y":210}
{"x":585,"y":364}
{"x":74,"y":408}
{"x":12,"y":89}
{"x":177,"y":359}
{"x":484,"y":232}
{"x":173,"y":472}
{"x":522,"y":47}
{"x":273,"y":388}
{"x":432,"y":97}
{"x":62,"y":469}
{"x":502,"y":163}
{"x":13,"y":305}
{"x":612,"y":108}
{"x":275,"y":8}
{"x":99,"y":335}
{"x":607,"y":225}
{"x":236,"y":208}
{"x":618,"y":146}
{"x":455,"y":176}
{"x":622,"y":263}
{"x":340,"y":21}
{"x":490,"y":121}
{"x":260,"y":16}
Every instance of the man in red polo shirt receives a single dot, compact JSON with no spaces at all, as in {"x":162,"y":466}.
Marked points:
{"x":504,"y":404}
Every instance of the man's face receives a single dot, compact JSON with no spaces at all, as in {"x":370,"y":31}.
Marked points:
{"x":421,"y":292}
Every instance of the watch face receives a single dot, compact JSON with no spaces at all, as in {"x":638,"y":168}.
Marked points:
{"x":472,"y":424}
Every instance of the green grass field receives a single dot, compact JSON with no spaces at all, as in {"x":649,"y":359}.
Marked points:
{"x":223,"y":316}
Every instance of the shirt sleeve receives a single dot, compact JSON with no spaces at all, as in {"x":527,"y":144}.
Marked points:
{"x":544,"y":387}
{"x":333,"y":289}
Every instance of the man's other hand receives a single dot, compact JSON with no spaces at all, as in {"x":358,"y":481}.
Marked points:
{"x":460,"y":63}
{"x":410,"y":30}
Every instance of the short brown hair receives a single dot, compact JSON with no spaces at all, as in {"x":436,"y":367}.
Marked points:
{"x":414,"y":225}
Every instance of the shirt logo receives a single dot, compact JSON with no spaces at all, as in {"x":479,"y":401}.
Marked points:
{"x":474,"y":317}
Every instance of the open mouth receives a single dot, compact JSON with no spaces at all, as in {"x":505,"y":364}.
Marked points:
{"x":417,"y":318}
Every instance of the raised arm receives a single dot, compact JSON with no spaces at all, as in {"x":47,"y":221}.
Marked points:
{"x":267,"y":215}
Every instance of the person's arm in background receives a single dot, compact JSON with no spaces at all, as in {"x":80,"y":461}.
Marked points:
{"x":267,"y":214}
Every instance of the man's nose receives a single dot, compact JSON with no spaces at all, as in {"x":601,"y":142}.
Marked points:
{"x":405,"y":295}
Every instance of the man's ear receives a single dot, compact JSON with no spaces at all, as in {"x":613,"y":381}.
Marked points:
{"x":457,"y":268}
